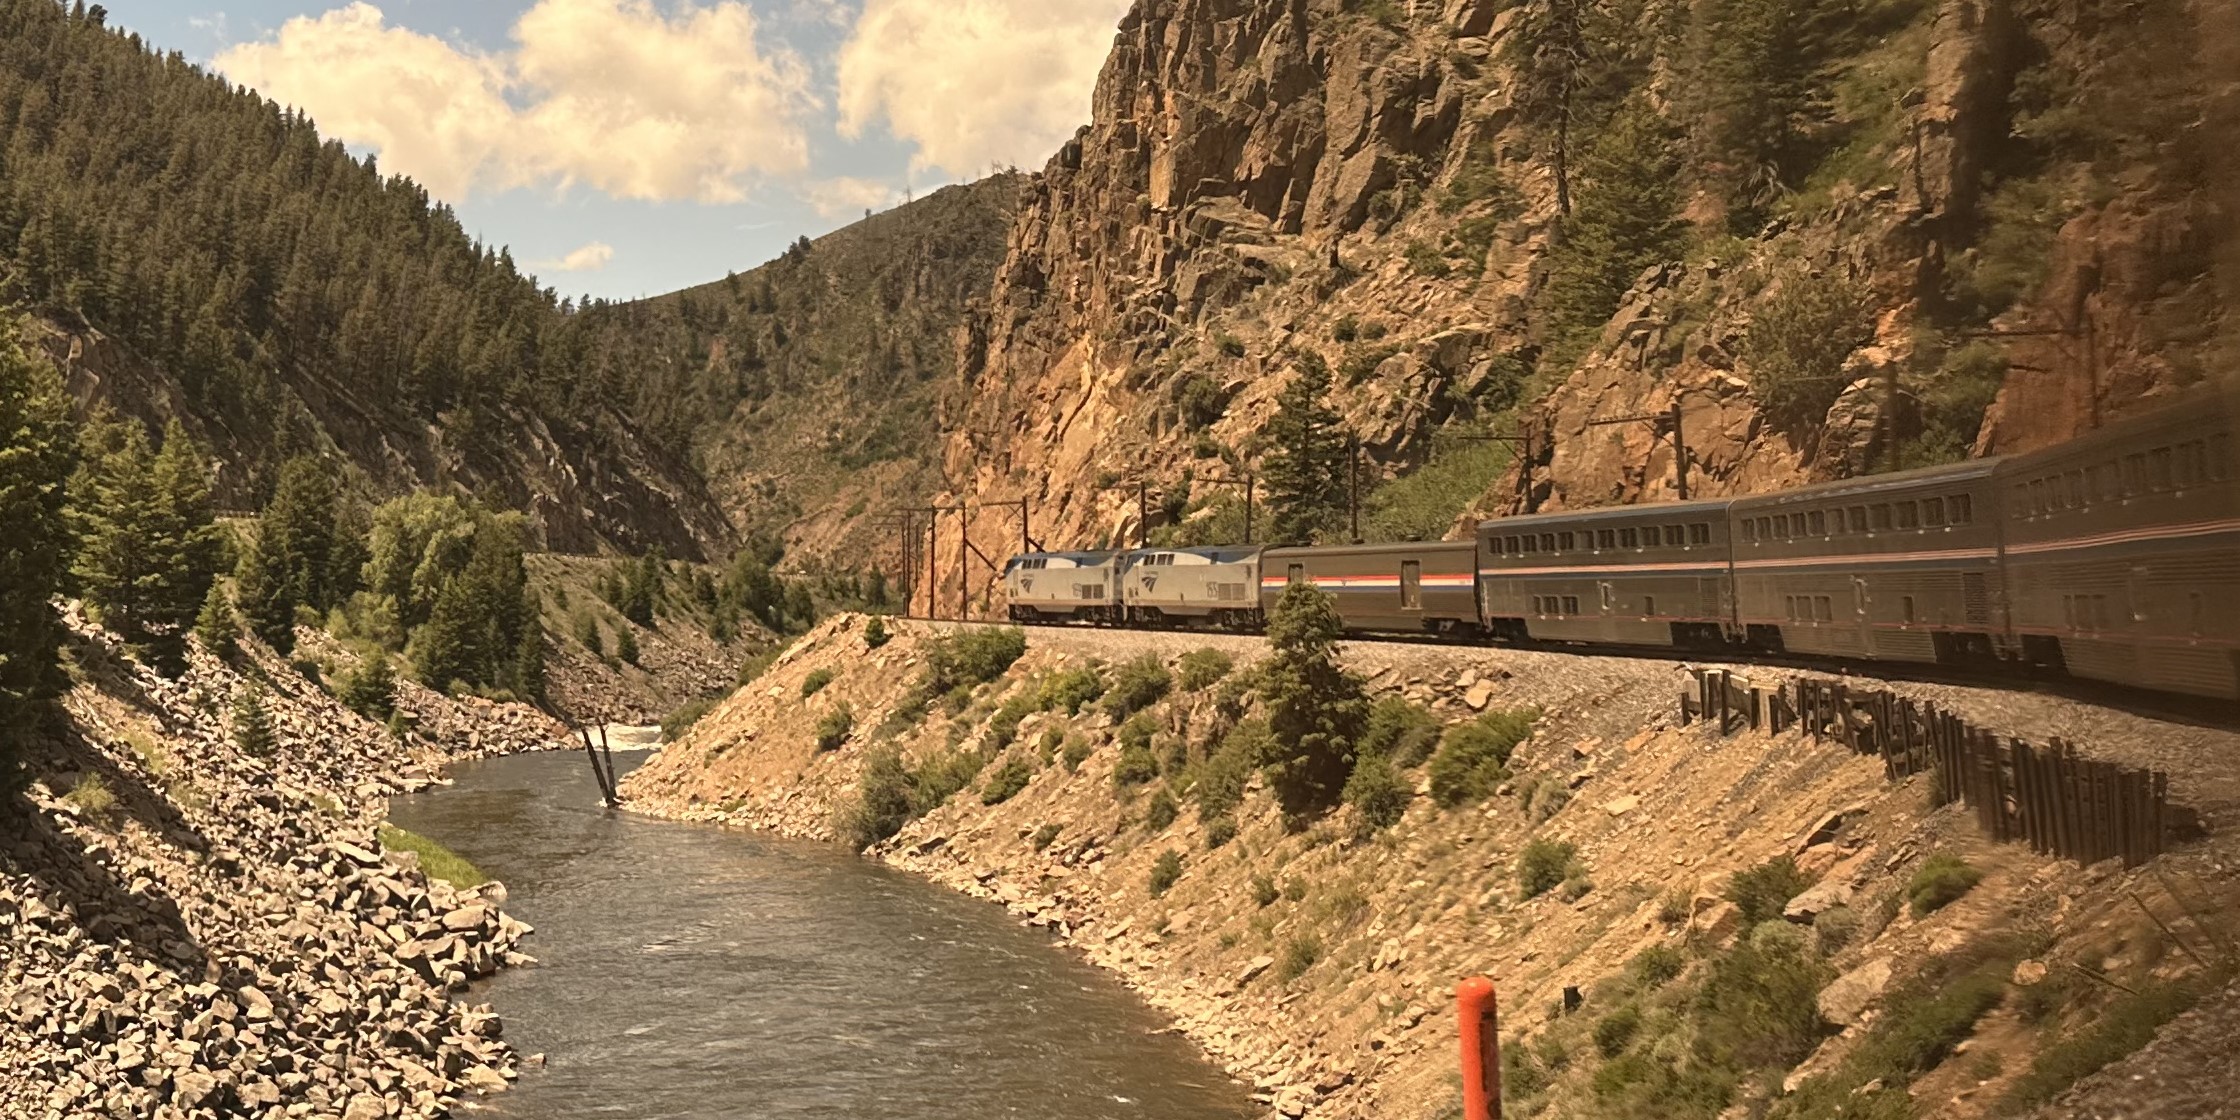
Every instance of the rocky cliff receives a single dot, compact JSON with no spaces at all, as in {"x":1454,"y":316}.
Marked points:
{"x":1998,"y":222}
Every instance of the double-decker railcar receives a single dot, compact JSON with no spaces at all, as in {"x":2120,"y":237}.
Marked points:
{"x":2123,"y":550}
{"x":1656,"y":575}
{"x":1065,"y":586}
{"x":1193,"y":587}
{"x":1895,"y":567}
{"x":1384,"y":588}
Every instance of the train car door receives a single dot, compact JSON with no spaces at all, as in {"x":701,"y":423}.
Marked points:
{"x":1411,"y":585}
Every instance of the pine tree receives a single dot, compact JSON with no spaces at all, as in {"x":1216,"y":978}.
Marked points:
{"x":289,"y":568}
{"x":216,"y":627}
{"x":1627,"y":219}
{"x":113,"y":498}
{"x":1316,"y":710}
{"x":1306,"y":471}
{"x":185,"y":544}
{"x":626,"y":645}
{"x":1756,"y":90}
{"x":528,"y":663}
{"x":38,"y":452}
{"x":371,"y":691}
{"x":444,"y":649}
{"x":252,"y":725}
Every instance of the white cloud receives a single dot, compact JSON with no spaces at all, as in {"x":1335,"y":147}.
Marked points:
{"x":616,"y":94}
{"x":589,"y":258}
{"x":976,"y":82}
{"x":845,"y":196}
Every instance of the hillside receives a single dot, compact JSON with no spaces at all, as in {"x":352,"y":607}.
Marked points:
{"x":1757,"y":925}
{"x":195,"y":252}
{"x":1846,"y":236}
{"x":806,"y":388}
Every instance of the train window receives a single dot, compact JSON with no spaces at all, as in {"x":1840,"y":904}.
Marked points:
{"x":1909,"y":515}
{"x":2159,"y":469}
{"x":1819,"y":521}
{"x":1296,"y":574}
{"x":1781,"y":526}
{"x":1674,"y":536}
{"x":1514,"y":548}
{"x":1606,"y":538}
{"x":1962,"y":510}
{"x":2037,"y":505}
{"x":1649,"y":606}
{"x":1411,"y":585}
{"x":1878,"y":517}
{"x":1932,"y":512}
{"x":2079,"y":497}
{"x":1699,"y":533}
{"x":2192,"y":456}
{"x":1547,"y":542}
{"x":1823,"y":609}
{"x":2220,"y":457}
{"x":1858,"y":515}
{"x":1789,"y":607}
{"x":1567,"y":541}
{"x":1494,"y":543}
{"x":1905,"y":608}
{"x":1749,"y":529}
{"x":1571,"y":604}
{"x":2134,"y":474}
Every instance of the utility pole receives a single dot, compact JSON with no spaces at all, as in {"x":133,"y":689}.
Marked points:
{"x":1678,"y":422}
{"x":2087,"y":331}
{"x":1353,"y":485}
{"x":1522,"y":441}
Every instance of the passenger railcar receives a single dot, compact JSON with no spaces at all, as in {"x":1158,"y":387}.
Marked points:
{"x":1656,"y":575}
{"x":1895,"y":567}
{"x":2123,"y":551}
{"x":1063,"y":586}
{"x":1193,"y":586}
{"x":1384,"y":588}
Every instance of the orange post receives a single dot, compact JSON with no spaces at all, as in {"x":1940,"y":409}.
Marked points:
{"x":1481,"y":1049}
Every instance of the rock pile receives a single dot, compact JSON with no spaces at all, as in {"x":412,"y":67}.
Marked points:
{"x":190,"y":930}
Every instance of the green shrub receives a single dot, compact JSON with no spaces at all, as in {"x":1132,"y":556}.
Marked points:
{"x":1201,"y":669}
{"x":1070,"y":690}
{"x":93,"y":797}
{"x":1218,"y":785}
{"x":1543,"y":866}
{"x":1295,"y":889}
{"x":875,"y":632}
{"x":1400,"y":729}
{"x":1615,"y":1031}
{"x":1137,"y":765}
{"x":1656,"y":966}
{"x":676,"y":723}
{"x":834,"y":727}
{"x":1046,"y":836}
{"x":1003,"y":727}
{"x":1264,"y":892}
{"x":1472,"y":758}
{"x":814,"y":683}
{"x":938,"y":779}
{"x":1834,"y":928}
{"x":972,"y":656}
{"x":1378,"y":792}
{"x":371,"y":690}
{"x":1920,"y":1025}
{"x":1299,"y":954}
{"x":1052,"y":739}
{"x":1764,"y":891}
{"x":1219,"y":831}
{"x":1939,"y":882}
{"x":1797,"y":343}
{"x":1077,"y":752}
{"x":883,"y":800}
{"x":1162,"y":811}
{"x":2126,"y":1024}
{"x":1757,"y":1009}
{"x":625,"y":645}
{"x":1008,"y":780}
{"x":1316,"y":709}
{"x":1165,"y":872}
{"x":752,"y":668}
{"x":1137,"y":685}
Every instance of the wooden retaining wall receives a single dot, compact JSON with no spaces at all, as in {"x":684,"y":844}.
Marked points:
{"x":2050,"y":797}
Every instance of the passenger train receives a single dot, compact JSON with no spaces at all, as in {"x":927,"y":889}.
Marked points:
{"x":2113,"y":557}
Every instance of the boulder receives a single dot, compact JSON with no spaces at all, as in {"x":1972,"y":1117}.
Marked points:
{"x":1827,"y":895}
{"x":1847,"y":999}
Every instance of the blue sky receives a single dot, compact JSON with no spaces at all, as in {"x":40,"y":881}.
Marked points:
{"x":631,"y":147}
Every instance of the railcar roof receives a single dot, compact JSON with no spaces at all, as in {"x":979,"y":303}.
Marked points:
{"x":1219,"y":554}
{"x":1970,"y":471}
{"x":1654,"y":511}
{"x":1371,"y":549}
{"x":1077,"y":557}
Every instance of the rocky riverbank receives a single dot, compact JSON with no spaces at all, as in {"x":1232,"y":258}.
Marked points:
{"x":1317,"y":964}
{"x":197,"y":924}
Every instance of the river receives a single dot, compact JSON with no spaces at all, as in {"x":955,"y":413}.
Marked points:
{"x":690,"y":971}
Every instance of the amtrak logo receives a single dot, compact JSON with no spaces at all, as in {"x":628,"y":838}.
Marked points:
{"x":1026,"y":583}
{"x":1150,"y":584}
